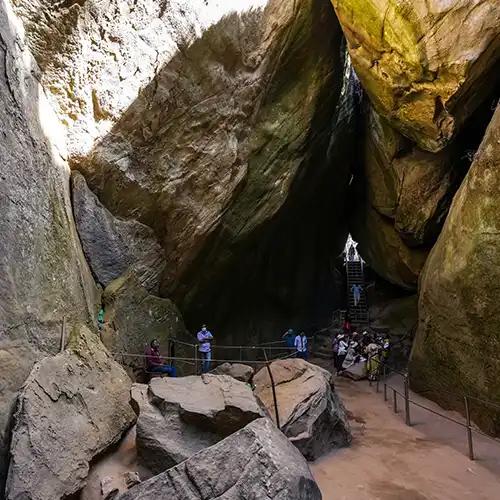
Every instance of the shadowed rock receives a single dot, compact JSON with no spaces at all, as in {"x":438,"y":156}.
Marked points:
{"x":113,"y":246}
{"x":256,"y":462}
{"x":311,"y":415}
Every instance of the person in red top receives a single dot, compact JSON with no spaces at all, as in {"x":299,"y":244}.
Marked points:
{"x":155,"y":361}
{"x":347,"y":326}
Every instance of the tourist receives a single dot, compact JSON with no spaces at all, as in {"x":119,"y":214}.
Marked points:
{"x":341,"y":352}
{"x":205,"y":348}
{"x":373,"y":361}
{"x":155,"y":362}
{"x":100,"y":318}
{"x":356,"y":293}
{"x":301,"y":345}
{"x":347,"y":326}
{"x":289,"y":338}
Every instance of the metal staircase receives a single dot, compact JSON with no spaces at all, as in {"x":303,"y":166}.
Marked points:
{"x":355,"y":276}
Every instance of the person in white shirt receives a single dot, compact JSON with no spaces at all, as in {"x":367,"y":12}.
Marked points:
{"x":343,"y":345}
{"x":301,"y":345}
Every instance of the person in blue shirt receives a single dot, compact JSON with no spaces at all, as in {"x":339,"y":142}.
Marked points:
{"x":289,"y":338}
{"x":205,"y":348}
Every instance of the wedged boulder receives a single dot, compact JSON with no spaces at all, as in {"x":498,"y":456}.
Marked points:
{"x":384,"y":250}
{"x":257,"y":462}
{"x":239,"y":371}
{"x":425,"y":65}
{"x":357,"y":371}
{"x":214,"y":131}
{"x":73,"y":406}
{"x":311,"y":414}
{"x":113,"y":246}
{"x":178,"y":417}
{"x":457,"y":343}
{"x":410,"y":186}
{"x":133,"y":317}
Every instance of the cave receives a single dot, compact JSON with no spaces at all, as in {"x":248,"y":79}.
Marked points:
{"x":170,"y":164}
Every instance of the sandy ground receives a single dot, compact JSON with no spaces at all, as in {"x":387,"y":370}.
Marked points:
{"x":391,"y":461}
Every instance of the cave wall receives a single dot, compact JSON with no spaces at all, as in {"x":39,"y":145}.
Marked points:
{"x":43,"y":275}
{"x":456,"y":350}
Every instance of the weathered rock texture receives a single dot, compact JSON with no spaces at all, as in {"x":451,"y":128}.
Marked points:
{"x":263,"y":466}
{"x":239,"y":371}
{"x":72,"y":407}
{"x":208,"y":127}
{"x":424,"y":65}
{"x":113,"y":246}
{"x":43,"y":275}
{"x":178,"y":417}
{"x":311,"y":415}
{"x":383,"y":248}
{"x":457,"y":343}
{"x":133,"y":318}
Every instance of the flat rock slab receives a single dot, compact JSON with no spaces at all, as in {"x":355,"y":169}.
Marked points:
{"x":238,"y":371}
{"x":179,"y":417}
{"x":73,"y":407}
{"x":256,"y":462}
{"x":311,"y":414}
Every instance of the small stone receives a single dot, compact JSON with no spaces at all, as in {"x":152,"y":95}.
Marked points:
{"x":131,"y":478}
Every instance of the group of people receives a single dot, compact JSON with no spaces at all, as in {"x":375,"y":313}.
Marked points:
{"x":366,"y":348}
{"x":298,"y":342}
{"x":156,"y":363}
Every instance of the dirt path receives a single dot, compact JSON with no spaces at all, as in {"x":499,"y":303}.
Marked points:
{"x":390,"y":461}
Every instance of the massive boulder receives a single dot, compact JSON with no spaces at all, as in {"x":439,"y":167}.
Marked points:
{"x":258,"y":463}
{"x":425,"y":65}
{"x":73,"y":406}
{"x":113,"y":246}
{"x":457,"y":343}
{"x":178,"y":417}
{"x":311,"y":414}
{"x":43,"y":275}
{"x":133,"y":318}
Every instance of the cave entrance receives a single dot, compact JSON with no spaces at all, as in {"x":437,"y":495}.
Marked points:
{"x":356,"y":299}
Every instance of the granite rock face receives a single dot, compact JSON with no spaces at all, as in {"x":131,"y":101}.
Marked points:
{"x":263,"y":466}
{"x":43,"y":275}
{"x":73,"y":406}
{"x":457,"y":344}
{"x":311,"y":414}
{"x":133,"y":318}
{"x":178,"y":417}
{"x":425,"y":65}
{"x":209,"y":129}
{"x":113,"y":246}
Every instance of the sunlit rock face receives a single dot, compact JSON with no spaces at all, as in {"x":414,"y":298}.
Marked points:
{"x":203,"y":120}
{"x":43,"y":275}
{"x":425,"y":65}
{"x":457,"y":343}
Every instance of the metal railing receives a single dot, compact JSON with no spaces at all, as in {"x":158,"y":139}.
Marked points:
{"x":470,"y":429}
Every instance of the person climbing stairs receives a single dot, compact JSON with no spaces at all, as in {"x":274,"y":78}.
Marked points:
{"x":356,"y":294}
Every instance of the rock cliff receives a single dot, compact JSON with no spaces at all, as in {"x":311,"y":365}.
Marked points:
{"x":44,"y":277}
{"x":457,"y":345}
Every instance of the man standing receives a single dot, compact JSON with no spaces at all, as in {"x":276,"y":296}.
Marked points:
{"x":301,"y":345}
{"x":289,"y":338}
{"x":205,"y":348}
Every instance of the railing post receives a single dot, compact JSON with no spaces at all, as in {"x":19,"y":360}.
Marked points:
{"x":273,"y":389}
{"x":394,"y":401}
{"x":407,"y":401}
{"x":195,"y":360}
{"x":63,"y":335}
{"x":241,"y":354}
{"x":385,"y":391}
{"x":469,"y":429}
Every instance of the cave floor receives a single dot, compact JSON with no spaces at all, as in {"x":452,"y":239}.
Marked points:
{"x":390,"y":461}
